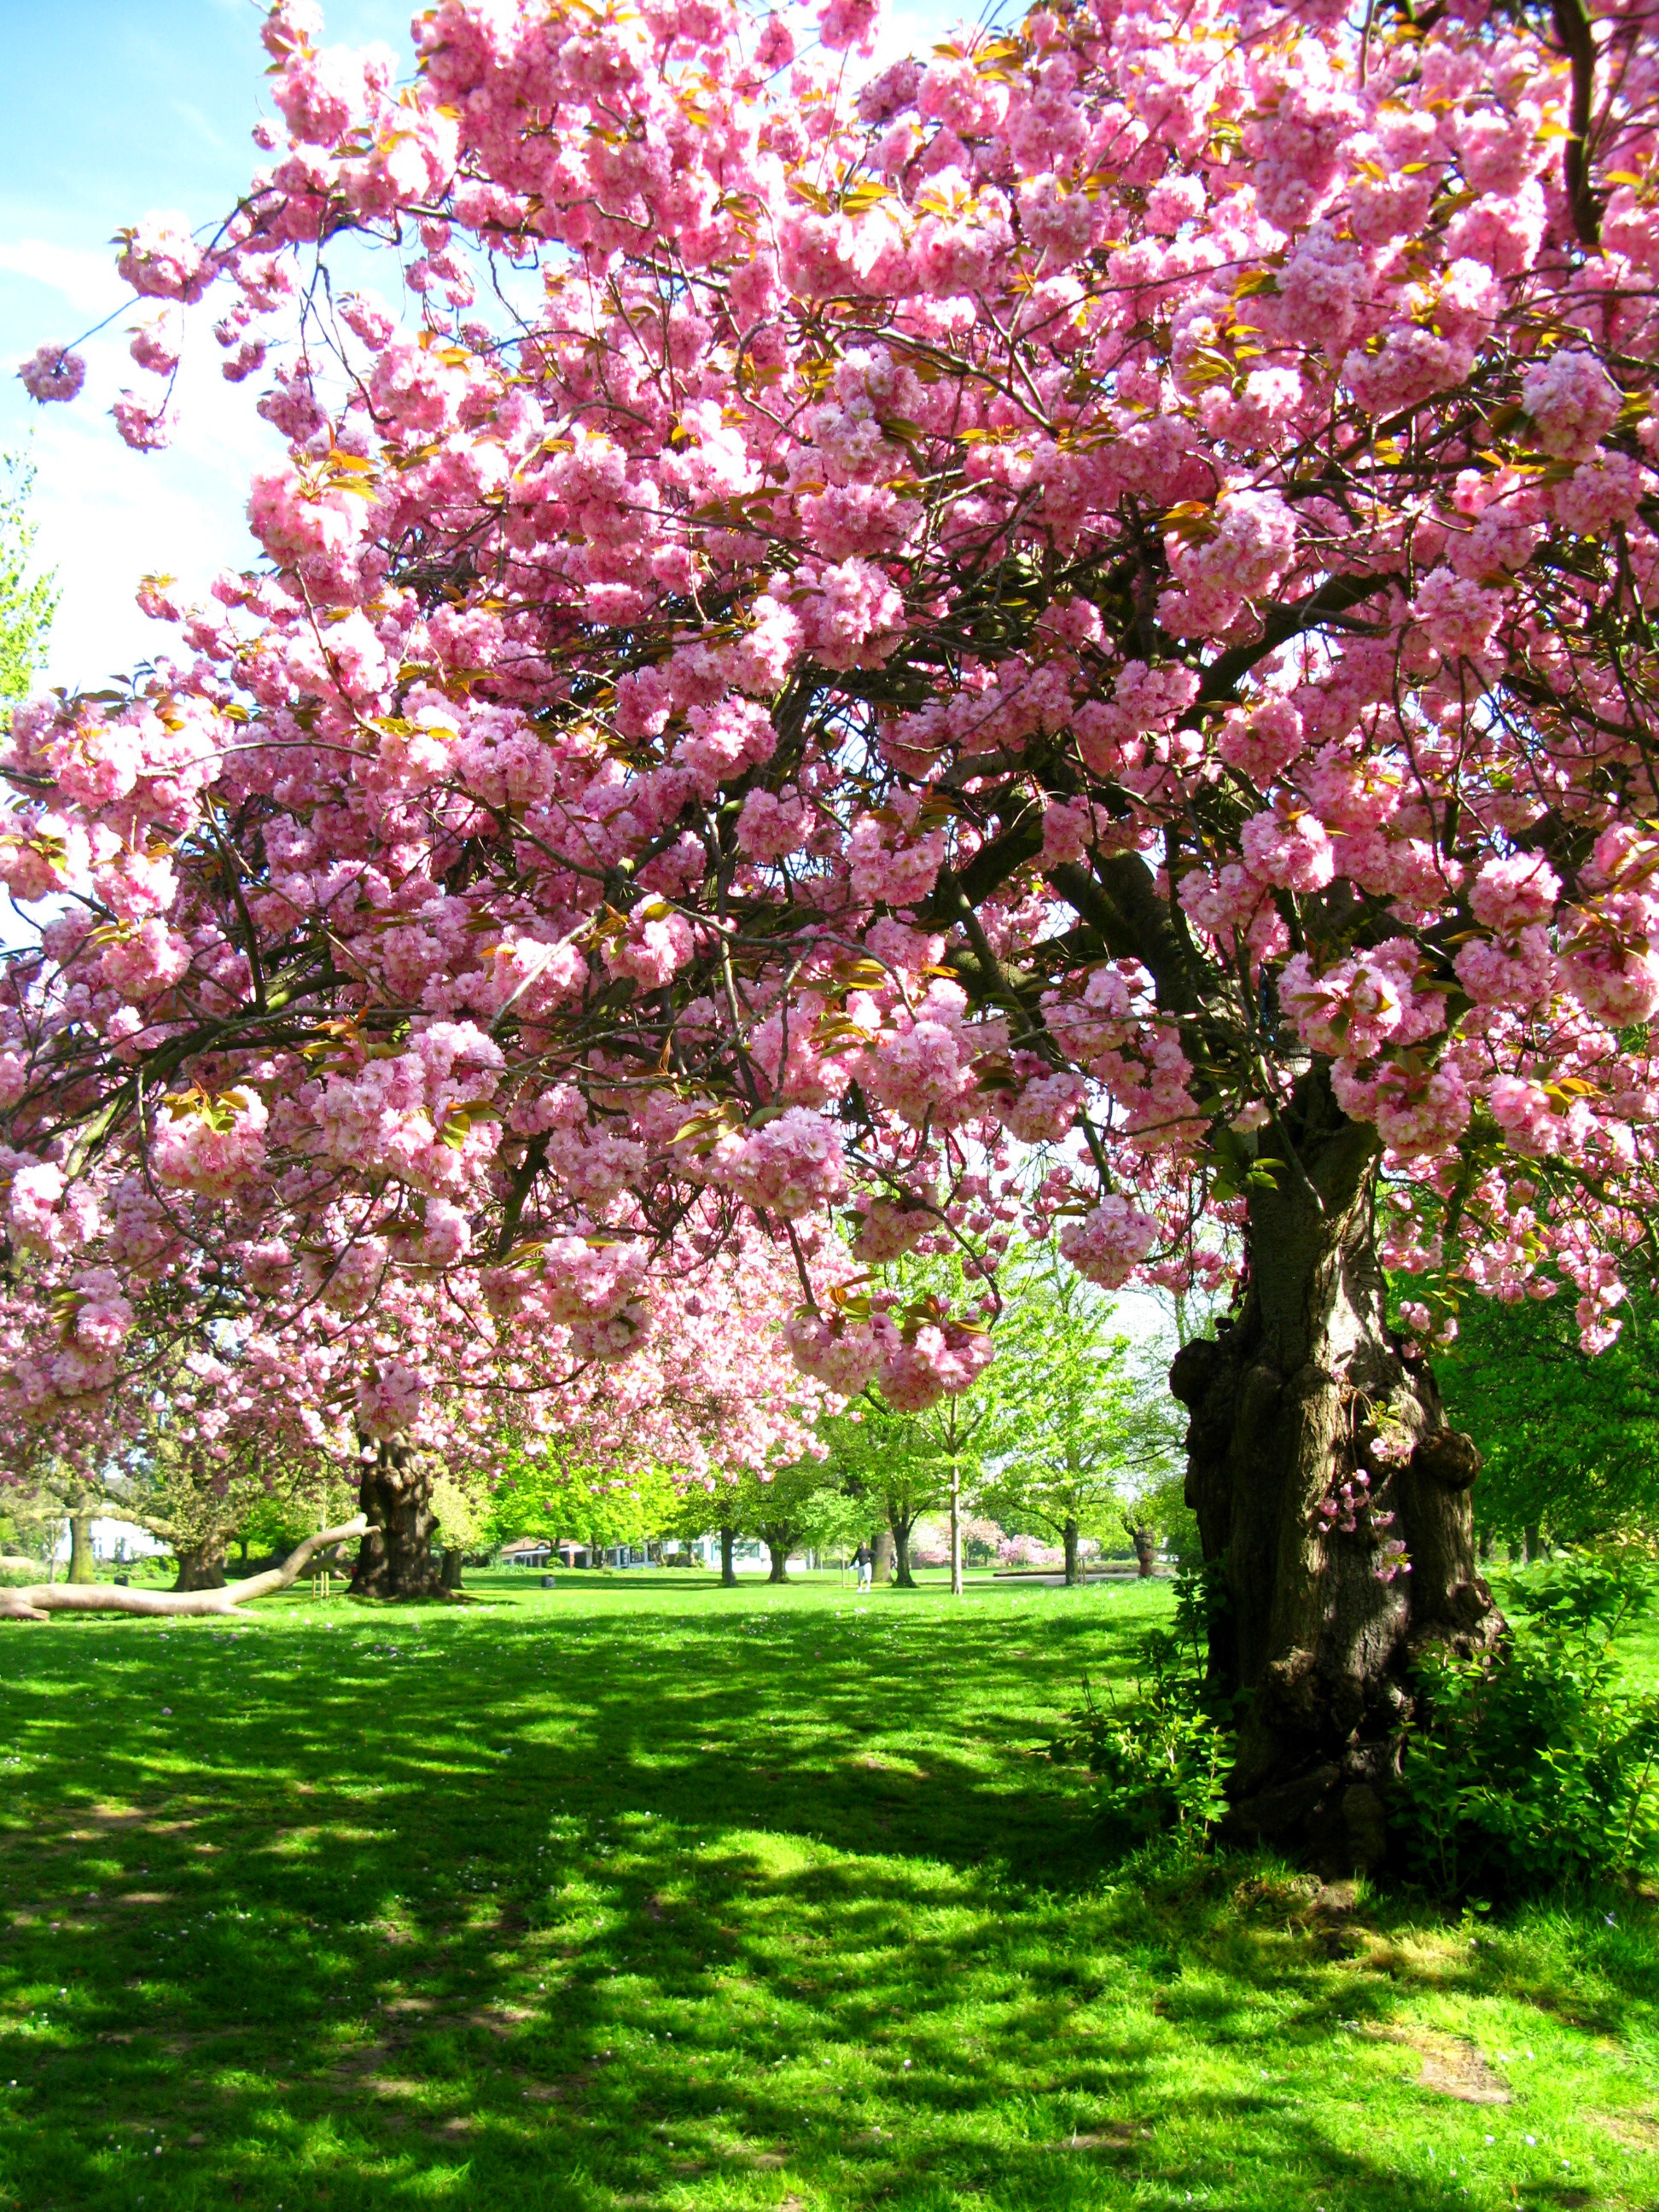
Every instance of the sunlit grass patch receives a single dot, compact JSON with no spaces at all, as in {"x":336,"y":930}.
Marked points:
{"x":647,"y":1893}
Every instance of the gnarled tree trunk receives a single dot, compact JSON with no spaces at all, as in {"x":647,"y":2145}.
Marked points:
{"x":1145,"y":1543}
{"x":778,"y":1549}
{"x":1324,"y":1610}
{"x":202,"y":1567}
{"x":395,"y":1559}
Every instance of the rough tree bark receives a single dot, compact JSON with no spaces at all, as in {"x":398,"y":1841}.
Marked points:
{"x":1145,"y":1543}
{"x":778,"y":1549}
{"x":1316,"y":1633}
{"x":39,"y":1601}
{"x":453,"y":1562}
{"x":1068,"y":1537}
{"x":728,"y":1561}
{"x":396,"y":1558}
{"x":881,"y":1557}
{"x":202,"y":1567}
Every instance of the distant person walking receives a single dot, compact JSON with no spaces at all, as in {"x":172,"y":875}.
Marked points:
{"x":862,"y":1560}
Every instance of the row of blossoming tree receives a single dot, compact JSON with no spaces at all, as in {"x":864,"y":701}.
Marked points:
{"x":1065,"y":626}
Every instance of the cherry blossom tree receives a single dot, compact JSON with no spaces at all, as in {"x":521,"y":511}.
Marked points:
{"x":1067,"y":626}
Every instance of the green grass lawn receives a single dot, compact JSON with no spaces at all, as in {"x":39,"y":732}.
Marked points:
{"x":639,"y":1892}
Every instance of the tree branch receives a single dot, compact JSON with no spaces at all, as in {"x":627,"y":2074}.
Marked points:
{"x":38,"y":1600}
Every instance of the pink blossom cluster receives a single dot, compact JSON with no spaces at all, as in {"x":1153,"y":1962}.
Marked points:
{"x":806,"y":658}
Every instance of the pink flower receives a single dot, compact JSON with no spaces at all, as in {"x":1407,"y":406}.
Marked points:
{"x":1293,"y":851}
{"x":1459,"y":616}
{"x":654,"y":950}
{"x":322,"y":95}
{"x":790,"y":1166}
{"x":937,"y":1362}
{"x":888,"y":865}
{"x":1572,"y":401}
{"x":145,"y":962}
{"x":1617,"y":982}
{"x":850,"y":615}
{"x":1520,"y":974}
{"x":146,"y":429}
{"x":1418,"y":1113}
{"x":842,"y":1354}
{"x":389,"y":1398}
{"x":1110,"y":1242}
{"x":855,"y":23}
{"x":1044,"y":1108}
{"x":887,"y":1230}
{"x":52,"y":373}
{"x":210,"y":1144}
{"x":1513,"y":890}
{"x":163,"y":262}
{"x":1522,"y":1110}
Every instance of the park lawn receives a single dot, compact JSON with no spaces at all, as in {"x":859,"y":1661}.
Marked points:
{"x":637,"y":1892}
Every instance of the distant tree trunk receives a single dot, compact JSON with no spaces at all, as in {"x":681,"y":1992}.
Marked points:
{"x":956,"y":1529}
{"x":728,"y":1564}
{"x":902,"y":1574}
{"x":881,"y":1557}
{"x":1145,"y":1544}
{"x":778,"y":1547}
{"x":453,"y":1562}
{"x":395,"y":1559}
{"x":1068,"y":1537}
{"x":1484,"y":1546}
{"x":202,"y":1567}
{"x":81,"y":1566}
{"x":1534,"y":1541}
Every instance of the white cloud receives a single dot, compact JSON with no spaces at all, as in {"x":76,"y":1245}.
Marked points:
{"x":107,"y":516}
{"x":86,"y":280}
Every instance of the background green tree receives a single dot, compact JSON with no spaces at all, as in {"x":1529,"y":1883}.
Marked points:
{"x":785,"y":1507}
{"x":27,"y":603}
{"x":1569,"y":1444}
{"x":897,"y":1465}
{"x":550,"y":1489}
{"x":1078,"y":1425}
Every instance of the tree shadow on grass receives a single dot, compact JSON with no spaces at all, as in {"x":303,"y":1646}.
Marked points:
{"x":672,"y":1910}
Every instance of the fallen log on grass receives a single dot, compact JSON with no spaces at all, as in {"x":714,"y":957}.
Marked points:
{"x":38,"y":1600}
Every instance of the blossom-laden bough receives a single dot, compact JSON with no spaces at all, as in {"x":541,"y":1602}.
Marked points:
{"x":39,"y":1601}
{"x":1064,"y":634}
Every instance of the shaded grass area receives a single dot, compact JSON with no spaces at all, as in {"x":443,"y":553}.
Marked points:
{"x":639,"y":1892}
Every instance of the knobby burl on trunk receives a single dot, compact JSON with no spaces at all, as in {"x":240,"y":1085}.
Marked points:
{"x":1324,"y":1616}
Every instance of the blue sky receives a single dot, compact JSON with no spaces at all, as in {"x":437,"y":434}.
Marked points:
{"x":117,"y":108}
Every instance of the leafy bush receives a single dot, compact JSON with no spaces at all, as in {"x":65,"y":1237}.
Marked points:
{"x":20,"y":1577}
{"x":1534,"y":1768}
{"x":1162,"y":1753}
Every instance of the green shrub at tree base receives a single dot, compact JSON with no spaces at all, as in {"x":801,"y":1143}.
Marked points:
{"x":1160,"y":1748}
{"x":1523,"y":1773}
{"x":1537,"y":1769}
